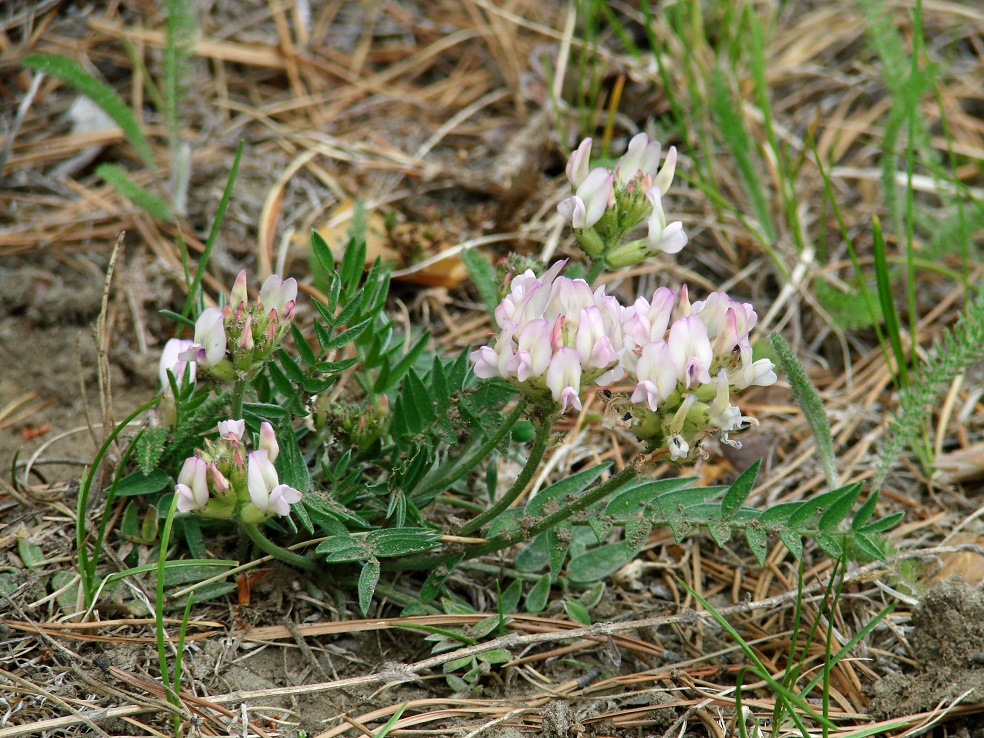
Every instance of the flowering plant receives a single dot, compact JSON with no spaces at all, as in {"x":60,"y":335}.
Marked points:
{"x":255,"y":432}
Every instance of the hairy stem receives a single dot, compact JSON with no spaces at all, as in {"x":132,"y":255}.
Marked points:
{"x":597,"y":267}
{"x":268,"y":546}
{"x":582,"y":503}
{"x":238,"y":394}
{"x":540,"y":443}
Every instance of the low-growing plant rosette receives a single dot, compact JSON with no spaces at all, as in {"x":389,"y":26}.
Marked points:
{"x":608,"y":203}
{"x":233,"y":341}
{"x":224,"y":480}
{"x":685,"y":359}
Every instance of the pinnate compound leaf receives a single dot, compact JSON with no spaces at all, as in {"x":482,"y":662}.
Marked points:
{"x":368,"y":579}
{"x":811,"y":509}
{"x":322,"y":252}
{"x":558,"y":540}
{"x":139,"y":483}
{"x":536,"y":600}
{"x":739,"y":490}
{"x":535,"y":556}
{"x":483,"y":274}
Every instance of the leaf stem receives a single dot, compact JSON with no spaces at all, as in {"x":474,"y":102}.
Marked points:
{"x":268,"y":546}
{"x":582,"y":503}
{"x":540,"y":444}
{"x":483,"y":451}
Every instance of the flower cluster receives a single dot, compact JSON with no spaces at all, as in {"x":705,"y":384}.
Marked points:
{"x":232,"y":341}
{"x":607,"y":203}
{"x":223,"y":479}
{"x":684,"y":359}
{"x":555,"y":334}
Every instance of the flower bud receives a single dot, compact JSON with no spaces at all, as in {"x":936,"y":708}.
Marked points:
{"x":238,"y":296}
{"x":268,"y":441}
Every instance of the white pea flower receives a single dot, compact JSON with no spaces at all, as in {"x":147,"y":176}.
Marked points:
{"x":209,"y":347}
{"x":266,"y":492}
{"x":588,"y":204}
{"x":232,"y":429}
{"x":667,"y":238}
{"x":578,"y":164}
{"x":170,"y":360}
{"x":192,"y":486}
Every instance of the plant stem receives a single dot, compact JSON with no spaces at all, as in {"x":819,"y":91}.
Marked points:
{"x":238,"y":394}
{"x":582,"y":503}
{"x":597,"y":267}
{"x":484,"y":450}
{"x":505,"y":541}
{"x":268,"y":546}
{"x":540,"y":443}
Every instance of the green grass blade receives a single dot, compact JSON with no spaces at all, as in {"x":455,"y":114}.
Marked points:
{"x":732,"y":127}
{"x":69,"y":72}
{"x":884,"y":282}
{"x":213,"y":234}
{"x":180,"y":30}
{"x":139,"y":196}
